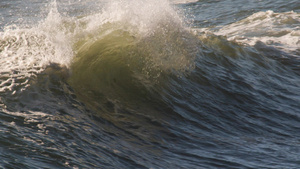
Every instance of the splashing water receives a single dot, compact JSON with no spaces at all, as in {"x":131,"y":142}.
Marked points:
{"x":158,"y":28}
{"x":27,"y":51}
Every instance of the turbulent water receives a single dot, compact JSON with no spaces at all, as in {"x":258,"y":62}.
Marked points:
{"x":149,"y":84}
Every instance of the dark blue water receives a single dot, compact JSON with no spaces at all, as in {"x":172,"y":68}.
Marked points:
{"x":149,"y":84}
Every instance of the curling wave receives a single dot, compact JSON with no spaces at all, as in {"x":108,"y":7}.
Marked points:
{"x":128,"y":49}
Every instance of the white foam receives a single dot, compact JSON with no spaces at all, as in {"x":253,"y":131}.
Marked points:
{"x":26,"y":51}
{"x":280,"y":30}
{"x":29,"y":115}
{"x":183,"y":1}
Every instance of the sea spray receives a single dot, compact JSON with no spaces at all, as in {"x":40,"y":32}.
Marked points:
{"x":25,"y":52}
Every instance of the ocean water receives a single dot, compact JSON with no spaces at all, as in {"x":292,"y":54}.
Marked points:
{"x":149,"y":84}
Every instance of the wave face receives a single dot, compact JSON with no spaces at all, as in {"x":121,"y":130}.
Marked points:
{"x":149,"y":84}
{"x":129,"y":49}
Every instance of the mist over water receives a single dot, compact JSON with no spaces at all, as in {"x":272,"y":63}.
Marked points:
{"x":149,"y":84}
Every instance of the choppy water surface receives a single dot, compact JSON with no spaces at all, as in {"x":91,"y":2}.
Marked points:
{"x":149,"y":84}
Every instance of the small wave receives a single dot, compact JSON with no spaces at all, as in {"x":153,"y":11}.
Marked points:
{"x":280,"y":30}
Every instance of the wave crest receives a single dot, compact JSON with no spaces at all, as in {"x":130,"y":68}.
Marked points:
{"x":280,"y":30}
